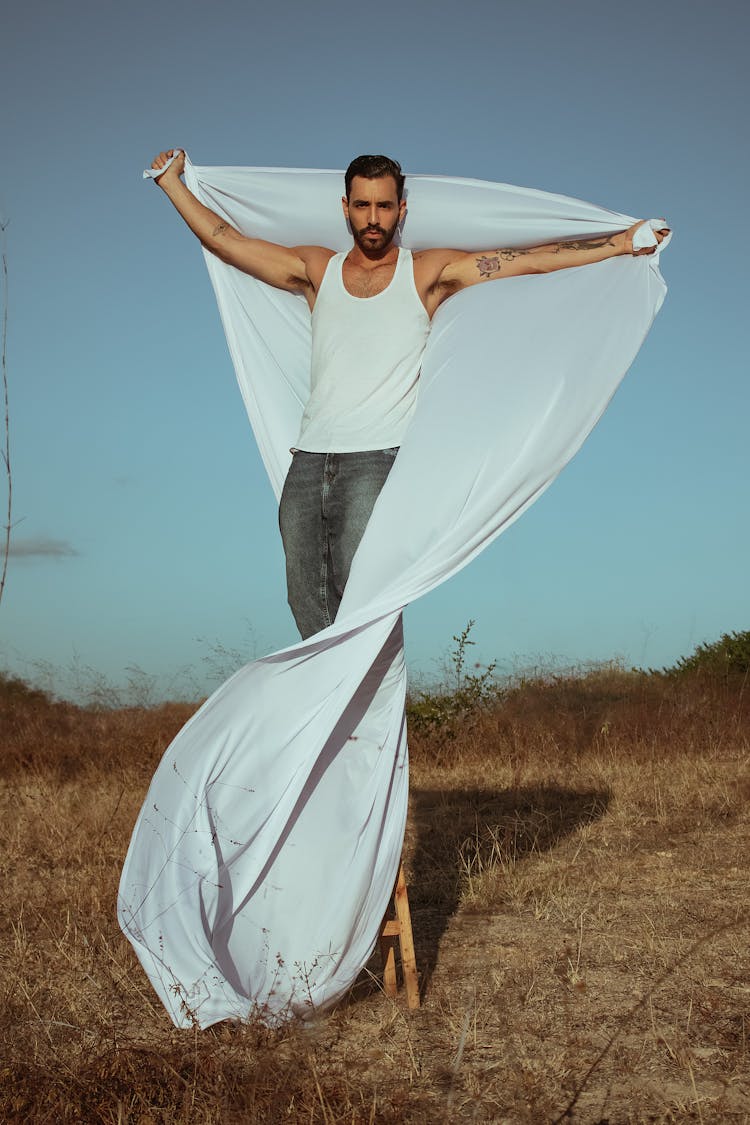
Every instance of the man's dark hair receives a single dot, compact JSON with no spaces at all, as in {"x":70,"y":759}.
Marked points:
{"x":373,"y":168}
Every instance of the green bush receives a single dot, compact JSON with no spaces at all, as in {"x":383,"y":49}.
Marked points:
{"x":729,"y":656}
{"x":444,"y":710}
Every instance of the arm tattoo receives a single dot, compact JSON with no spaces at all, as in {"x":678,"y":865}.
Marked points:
{"x":219,"y":230}
{"x":488,"y":265}
{"x":584,"y":244}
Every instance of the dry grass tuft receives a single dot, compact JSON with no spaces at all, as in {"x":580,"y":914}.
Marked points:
{"x":577,"y":853}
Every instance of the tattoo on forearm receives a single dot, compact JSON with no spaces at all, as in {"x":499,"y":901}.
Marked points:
{"x":584,"y":244}
{"x":219,"y":230}
{"x":490,"y":264}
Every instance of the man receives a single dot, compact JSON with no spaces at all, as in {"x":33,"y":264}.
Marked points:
{"x":371,"y":312}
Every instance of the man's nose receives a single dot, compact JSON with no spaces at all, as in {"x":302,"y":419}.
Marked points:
{"x":372,"y":218}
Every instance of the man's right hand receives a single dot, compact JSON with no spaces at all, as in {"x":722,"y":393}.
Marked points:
{"x":176,"y":168}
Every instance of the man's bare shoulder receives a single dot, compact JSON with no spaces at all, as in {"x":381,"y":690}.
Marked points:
{"x":436,"y":255}
{"x":316,"y":258}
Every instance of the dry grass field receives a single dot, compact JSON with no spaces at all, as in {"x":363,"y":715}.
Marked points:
{"x":577,"y":852}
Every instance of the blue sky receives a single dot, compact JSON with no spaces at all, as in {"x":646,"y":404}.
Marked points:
{"x":145,"y":531}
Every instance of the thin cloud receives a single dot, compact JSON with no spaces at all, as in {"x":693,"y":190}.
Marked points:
{"x":41,"y":548}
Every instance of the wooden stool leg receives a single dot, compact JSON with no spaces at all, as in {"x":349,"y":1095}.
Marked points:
{"x":388,"y":954}
{"x":408,"y":957}
{"x":399,"y":930}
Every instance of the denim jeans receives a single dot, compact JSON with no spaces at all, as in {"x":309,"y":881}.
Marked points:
{"x":325,"y":505}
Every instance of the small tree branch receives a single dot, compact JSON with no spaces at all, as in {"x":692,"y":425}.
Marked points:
{"x":6,"y":446}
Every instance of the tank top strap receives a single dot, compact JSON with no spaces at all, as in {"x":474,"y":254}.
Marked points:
{"x":333,"y":271}
{"x":405,"y":266}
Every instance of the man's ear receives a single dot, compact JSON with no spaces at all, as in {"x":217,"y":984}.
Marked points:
{"x":345,"y":206}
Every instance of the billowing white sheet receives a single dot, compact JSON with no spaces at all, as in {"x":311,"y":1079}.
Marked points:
{"x":265,"y":854}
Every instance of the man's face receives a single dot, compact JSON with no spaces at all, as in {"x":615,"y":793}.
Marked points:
{"x":374,"y":212}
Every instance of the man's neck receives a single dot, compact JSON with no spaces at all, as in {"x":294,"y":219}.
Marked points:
{"x":371,"y":260}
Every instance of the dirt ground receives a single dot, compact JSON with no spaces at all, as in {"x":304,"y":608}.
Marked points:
{"x":577,"y":856}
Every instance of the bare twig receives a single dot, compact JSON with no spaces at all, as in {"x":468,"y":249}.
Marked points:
{"x":6,"y":448}
{"x":458,"y":1059}
{"x":567,"y":1113}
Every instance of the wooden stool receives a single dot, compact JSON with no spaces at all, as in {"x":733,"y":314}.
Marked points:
{"x":397,"y":931}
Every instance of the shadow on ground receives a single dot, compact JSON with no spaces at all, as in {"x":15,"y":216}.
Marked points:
{"x":452,"y":833}
{"x":458,"y":833}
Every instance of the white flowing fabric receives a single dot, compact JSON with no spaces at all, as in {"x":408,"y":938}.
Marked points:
{"x":266,"y":851}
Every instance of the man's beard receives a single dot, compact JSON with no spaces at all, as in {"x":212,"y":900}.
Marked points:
{"x":368,"y":245}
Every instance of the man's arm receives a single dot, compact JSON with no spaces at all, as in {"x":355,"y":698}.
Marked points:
{"x":296,"y":269}
{"x":464,"y":270}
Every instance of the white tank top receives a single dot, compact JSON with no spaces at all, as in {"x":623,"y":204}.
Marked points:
{"x":366,"y":357}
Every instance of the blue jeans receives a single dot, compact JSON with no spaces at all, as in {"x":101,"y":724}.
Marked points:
{"x":325,"y":505}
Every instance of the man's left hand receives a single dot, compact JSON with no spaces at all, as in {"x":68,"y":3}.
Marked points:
{"x":628,"y":238}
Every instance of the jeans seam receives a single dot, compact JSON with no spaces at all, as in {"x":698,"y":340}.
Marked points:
{"x":323,"y":589}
